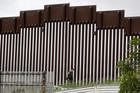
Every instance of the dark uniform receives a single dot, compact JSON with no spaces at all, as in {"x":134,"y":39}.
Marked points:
{"x":70,"y":76}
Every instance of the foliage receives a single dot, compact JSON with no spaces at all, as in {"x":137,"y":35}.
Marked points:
{"x":128,"y":67}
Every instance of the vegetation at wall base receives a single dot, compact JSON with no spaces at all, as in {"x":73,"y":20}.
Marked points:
{"x":88,"y":84}
{"x":129,"y":80}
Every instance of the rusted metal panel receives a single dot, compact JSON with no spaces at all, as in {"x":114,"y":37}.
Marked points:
{"x":110,"y":18}
{"x":8,"y":25}
{"x":56,"y":12}
{"x":127,"y":26}
{"x":135,"y":25}
{"x":82,"y":14}
{"x":132,"y":25}
{"x":30,"y":18}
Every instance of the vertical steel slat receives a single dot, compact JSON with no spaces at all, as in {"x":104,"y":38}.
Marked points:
{"x":114,"y":44}
{"x":17,"y":57}
{"x":92,"y":60}
{"x":104,"y":50}
{"x":103,"y":56}
{"x":82,"y":52}
{"x":79,"y":52}
{"x":97,"y":53}
{"x":73,"y":58}
{"x":89,"y":51}
{"x":22,"y":48}
{"x":24,"y":55}
{"x":4,"y":52}
{"x":108,"y":58}
{"x":27,"y":54}
{"x":122,"y":46}
{"x":13,"y":52}
{"x":8,"y":55}
{"x":37,"y":54}
{"x":75,"y":27}
{"x":96,"y":56}
{"x":59,"y":42}
{"x":53,"y":47}
{"x":99,"y":56}
{"x":22,"y":52}
{"x":24,"y":62}
{"x":47,"y":33}
{"x":40,"y":60}
{"x":56,"y":53}
{"x":121,"y":43}
{"x":117,"y":52}
{"x":49,"y":68}
{"x":0,"y":59}
{"x":1,"y":53}
{"x":60,"y":67}
{"x":65,"y":67}
{"x":72,"y":45}
{"x":69,"y":46}
{"x":62,"y":52}
{"x":16,"y":52}
{"x":40,"y":55}
{"x":43,"y":47}
{"x":110,"y":54}
{"x":86,"y":30}
{"x":19,"y":51}
{"x":31,"y":45}
{"x":49,"y":49}
{"x":106,"y":54}
{"x":39,"y":44}
{"x":34,"y":51}
{"x":40,"y":47}
{"x":52,"y":52}
{"x":76,"y":53}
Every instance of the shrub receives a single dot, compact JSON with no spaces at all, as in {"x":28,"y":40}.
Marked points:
{"x":128,"y":68}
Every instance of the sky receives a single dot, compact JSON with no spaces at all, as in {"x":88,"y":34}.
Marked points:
{"x":13,"y":7}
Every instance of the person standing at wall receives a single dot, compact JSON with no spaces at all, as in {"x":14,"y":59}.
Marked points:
{"x":70,"y":76}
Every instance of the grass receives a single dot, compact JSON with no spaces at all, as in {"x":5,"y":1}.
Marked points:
{"x":74,"y":85}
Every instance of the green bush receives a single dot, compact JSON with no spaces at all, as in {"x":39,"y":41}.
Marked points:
{"x":128,"y":68}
